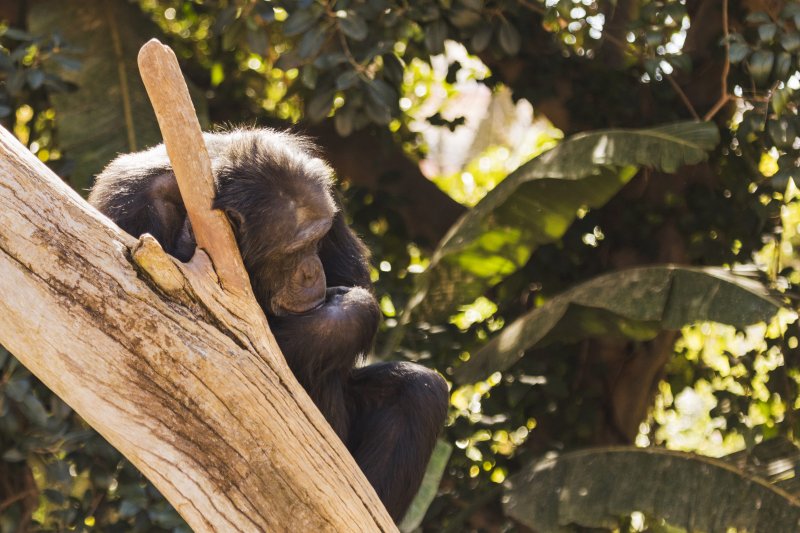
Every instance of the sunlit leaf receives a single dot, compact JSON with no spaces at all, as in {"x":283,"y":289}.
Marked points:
{"x":594,"y":488}
{"x":635,"y":303}
{"x":537,"y":203}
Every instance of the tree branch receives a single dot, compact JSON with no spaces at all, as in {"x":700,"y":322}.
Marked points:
{"x":187,"y":152}
{"x":183,"y":378}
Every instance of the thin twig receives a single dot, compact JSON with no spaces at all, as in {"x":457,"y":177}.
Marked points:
{"x":726,"y":68}
{"x":361,"y":69}
{"x":15,"y":498}
{"x":533,"y":7}
{"x":682,"y":96}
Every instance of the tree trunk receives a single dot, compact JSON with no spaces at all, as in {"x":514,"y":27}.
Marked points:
{"x":183,"y":378}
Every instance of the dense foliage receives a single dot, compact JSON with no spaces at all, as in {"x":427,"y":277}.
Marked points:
{"x":691,"y":160}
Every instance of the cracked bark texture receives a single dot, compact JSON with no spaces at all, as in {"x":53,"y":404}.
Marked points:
{"x":184,"y":379}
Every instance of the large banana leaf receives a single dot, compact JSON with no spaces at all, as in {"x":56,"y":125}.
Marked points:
{"x":776,"y":460}
{"x":635,"y":303}
{"x":109,"y":113}
{"x":537,"y":203}
{"x":594,"y":488}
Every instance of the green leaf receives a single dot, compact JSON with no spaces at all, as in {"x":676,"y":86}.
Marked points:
{"x":790,"y":41}
{"x":481,"y":38}
{"x":775,"y":460}
{"x":760,"y":64}
{"x":299,"y":22}
{"x":435,"y":34}
{"x":352,"y":25}
{"x":635,"y":303}
{"x":258,"y":41}
{"x":783,"y":64}
{"x":35,"y":78}
{"x":780,"y":98}
{"x":464,"y":18}
{"x":109,"y":113}
{"x":738,"y":51}
{"x":330,"y":60}
{"x":595,"y":488}
{"x":758,"y":17}
{"x":429,"y":487}
{"x":13,"y":455}
{"x":377,"y":113}
{"x":381,"y":93}
{"x":509,"y":38}
{"x":393,"y":68}
{"x":311,"y":42}
{"x":319,"y":106}
{"x":17,"y":35}
{"x":346,"y":79}
{"x":536,"y":204}
{"x":782,"y":132}
{"x":68,"y":63}
{"x":308,"y":75}
{"x":344,"y":120}
{"x":766,"y":32}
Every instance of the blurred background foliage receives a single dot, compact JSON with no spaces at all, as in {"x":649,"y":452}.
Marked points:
{"x":434,"y":114}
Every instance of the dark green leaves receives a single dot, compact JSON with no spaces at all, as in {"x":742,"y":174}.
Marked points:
{"x":109,"y":113}
{"x":595,"y":488}
{"x":300,"y":21}
{"x":319,"y":106}
{"x":352,"y":24}
{"x":311,"y":42}
{"x":760,"y":64}
{"x":537,"y":203}
{"x":509,"y":38}
{"x":381,"y":93}
{"x":635,"y":303}
{"x":791,"y":41}
{"x":481,"y":38}
{"x":435,"y":34}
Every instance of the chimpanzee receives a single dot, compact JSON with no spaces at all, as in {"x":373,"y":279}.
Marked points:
{"x":310,"y":274}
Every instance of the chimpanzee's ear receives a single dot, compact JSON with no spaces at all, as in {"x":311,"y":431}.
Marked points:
{"x":344,"y":257}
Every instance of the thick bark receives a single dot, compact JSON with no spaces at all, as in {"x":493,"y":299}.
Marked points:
{"x":183,"y":378}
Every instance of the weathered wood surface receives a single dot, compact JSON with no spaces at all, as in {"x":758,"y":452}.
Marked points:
{"x":180,"y":376}
{"x":187,"y":152}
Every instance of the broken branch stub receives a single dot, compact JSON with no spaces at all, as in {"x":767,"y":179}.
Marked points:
{"x":183,"y":139}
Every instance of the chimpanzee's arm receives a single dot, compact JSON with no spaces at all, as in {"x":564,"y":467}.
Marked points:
{"x":398,"y":411}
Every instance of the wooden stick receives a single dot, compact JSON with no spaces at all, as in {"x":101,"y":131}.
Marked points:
{"x":187,"y":151}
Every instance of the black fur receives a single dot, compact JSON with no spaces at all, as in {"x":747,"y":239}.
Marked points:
{"x":273,"y":186}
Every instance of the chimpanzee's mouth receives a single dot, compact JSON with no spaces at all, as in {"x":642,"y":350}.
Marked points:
{"x":332,"y":294}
